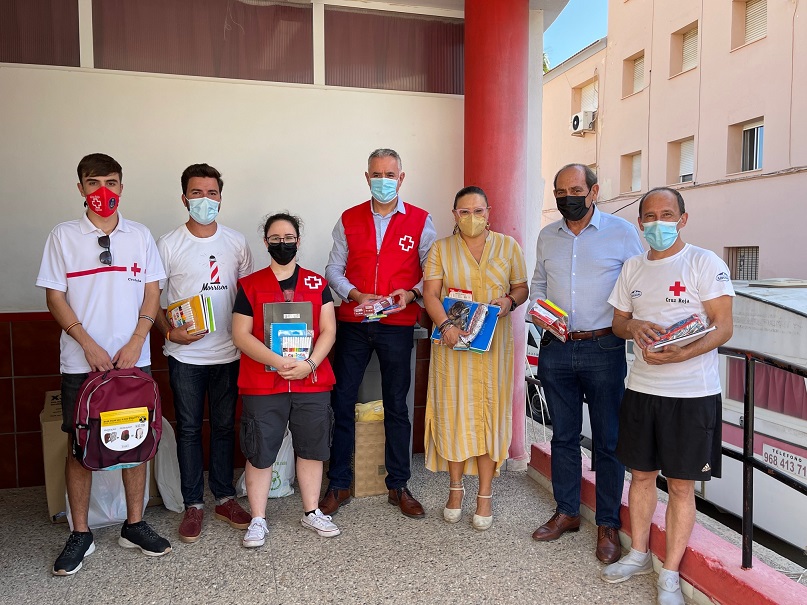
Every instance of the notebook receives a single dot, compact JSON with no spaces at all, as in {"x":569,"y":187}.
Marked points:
{"x":289,"y":329}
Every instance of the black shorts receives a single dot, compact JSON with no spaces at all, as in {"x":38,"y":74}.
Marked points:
{"x":681,"y":436}
{"x":264,"y":419}
{"x":71,"y":385}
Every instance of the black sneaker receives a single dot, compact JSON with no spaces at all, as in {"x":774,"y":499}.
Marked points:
{"x":141,"y":535}
{"x":79,"y":545}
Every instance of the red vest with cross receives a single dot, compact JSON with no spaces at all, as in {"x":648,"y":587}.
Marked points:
{"x":396,"y":265}
{"x":262,"y":287}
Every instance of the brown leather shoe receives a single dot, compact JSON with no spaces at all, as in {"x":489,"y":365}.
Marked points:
{"x":333,"y":499}
{"x":608,"y":547}
{"x":557,"y":525}
{"x":409,"y":506}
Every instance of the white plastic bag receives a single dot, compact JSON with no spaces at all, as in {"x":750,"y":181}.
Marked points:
{"x":166,"y":470}
{"x":282,"y":472}
{"x":107,"y":499}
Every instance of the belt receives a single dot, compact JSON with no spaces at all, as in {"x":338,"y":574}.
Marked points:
{"x":589,"y":334}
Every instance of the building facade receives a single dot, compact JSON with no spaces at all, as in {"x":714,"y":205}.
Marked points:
{"x":706,"y":96}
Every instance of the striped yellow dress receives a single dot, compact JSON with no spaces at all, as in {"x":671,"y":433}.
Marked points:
{"x":469,"y":401}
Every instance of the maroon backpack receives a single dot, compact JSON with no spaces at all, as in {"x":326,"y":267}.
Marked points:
{"x":118,"y":420}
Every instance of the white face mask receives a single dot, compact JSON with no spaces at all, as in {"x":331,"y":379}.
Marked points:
{"x":203,"y":210}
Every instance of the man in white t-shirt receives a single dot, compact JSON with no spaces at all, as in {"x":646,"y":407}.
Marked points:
{"x":101,"y":277}
{"x":671,"y":414}
{"x":202,"y":256}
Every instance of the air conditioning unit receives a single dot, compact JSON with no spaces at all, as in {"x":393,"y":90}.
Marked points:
{"x":582,"y":122}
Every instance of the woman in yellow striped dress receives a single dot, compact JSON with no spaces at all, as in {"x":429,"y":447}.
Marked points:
{"x":469,"y":403}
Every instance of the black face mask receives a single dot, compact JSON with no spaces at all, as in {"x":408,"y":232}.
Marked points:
{"x":282,"y":253}
{"x":572,"y":207}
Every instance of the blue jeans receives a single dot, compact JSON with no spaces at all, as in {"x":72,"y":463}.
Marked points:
{"x":190,"y":383}
{"x":568,"y":371}
{"x":355,"y":343}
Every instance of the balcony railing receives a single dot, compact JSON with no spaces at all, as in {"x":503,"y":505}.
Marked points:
{"x":747,"y":456}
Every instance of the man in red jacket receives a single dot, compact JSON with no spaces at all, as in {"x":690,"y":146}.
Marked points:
{"x":379,"y":248}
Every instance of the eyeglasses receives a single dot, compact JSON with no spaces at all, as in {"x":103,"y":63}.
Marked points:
{"x":465,"y":212}
{"x":106,"y":256}
{"x":286,"y":239}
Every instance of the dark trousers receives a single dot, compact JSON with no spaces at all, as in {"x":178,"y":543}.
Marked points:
{"x":190,"y":383}
{"x":355,"y":343}
{"x":569,"y":371}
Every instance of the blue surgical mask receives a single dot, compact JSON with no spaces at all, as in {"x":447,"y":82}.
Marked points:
{"x":203,"y":210}
{"x":384,"y":190}
{"x":661,"y":235}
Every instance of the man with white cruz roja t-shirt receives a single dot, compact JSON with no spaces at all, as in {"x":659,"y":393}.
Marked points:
{"x":671,"y":414}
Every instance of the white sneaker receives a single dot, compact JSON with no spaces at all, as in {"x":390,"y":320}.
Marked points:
{"x":256,"y":533}
{"x":669,"y":588}
{"x":321,"y":524}
{"x":635,"y":563}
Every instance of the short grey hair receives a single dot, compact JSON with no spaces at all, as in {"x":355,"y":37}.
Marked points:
{"x":591,"y":176}
{"x":385,"y":153}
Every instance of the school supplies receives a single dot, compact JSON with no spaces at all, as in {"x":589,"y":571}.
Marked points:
{"x":117,"y":422}
{"x":478,"y":319}
{"x":687,"y":330}
{"x":376,"y":310}
{"x":288,"y":329}
{"x":557,"y":319}
{"x":197,"y":309}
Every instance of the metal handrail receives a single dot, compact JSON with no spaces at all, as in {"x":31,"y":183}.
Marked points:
{"x":747,"y":456}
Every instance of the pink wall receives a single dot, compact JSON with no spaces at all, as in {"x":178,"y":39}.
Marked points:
{"x":765,"y":78}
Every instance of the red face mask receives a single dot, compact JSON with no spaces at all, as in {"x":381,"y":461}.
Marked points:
{"x":103,"y":202}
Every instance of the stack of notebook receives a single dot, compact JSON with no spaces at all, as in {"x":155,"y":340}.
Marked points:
{"x":197,"y":309}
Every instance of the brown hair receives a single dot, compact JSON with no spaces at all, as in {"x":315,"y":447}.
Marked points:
{"x":295,"y":221}
{"x":204,"y":171}
{"x":98,"y":164}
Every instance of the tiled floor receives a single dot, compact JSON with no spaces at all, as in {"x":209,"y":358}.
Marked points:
{"x":380,"y":557}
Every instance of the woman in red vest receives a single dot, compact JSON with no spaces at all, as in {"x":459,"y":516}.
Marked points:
{"x":297,"y":392}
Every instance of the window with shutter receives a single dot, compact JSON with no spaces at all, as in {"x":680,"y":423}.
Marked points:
{"x":687,"y":161}
{"x":756,"y":20}
{"x":638,"y":73}
{"x":636,"y":172}
{"x":588,"y":97}
{"x":690,"y":50}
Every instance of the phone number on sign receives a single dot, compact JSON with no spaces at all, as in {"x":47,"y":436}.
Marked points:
{"x":790,"y":463}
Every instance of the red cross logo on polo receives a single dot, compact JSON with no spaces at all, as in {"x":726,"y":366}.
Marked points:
{"x":135,"y":269}
{"x":312,"y":282}
{"x":214,"y":270}
{"x":677,"y":288}
{"x":406,"y":243}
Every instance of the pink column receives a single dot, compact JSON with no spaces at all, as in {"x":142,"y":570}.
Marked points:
{"x":496,"y":73}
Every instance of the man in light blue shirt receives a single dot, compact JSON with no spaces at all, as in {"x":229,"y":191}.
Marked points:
{"x":578,"y":261}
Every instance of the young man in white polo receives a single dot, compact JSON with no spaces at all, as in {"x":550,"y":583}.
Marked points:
{"x":101,"y":277}
{"x":204,"y":256}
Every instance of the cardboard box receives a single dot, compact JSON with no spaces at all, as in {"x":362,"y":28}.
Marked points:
{"x":369,"y":470}
{"x":54,"y":452}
